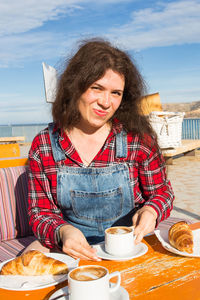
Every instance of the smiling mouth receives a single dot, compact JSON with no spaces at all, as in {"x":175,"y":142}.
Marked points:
{"x":100,"y":113}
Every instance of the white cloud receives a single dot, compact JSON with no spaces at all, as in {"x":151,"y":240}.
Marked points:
{"x":22,"y":15}
{"x":166,"y":24}
{"x":21,"y":31}
{"x":38,"y":45}
{"x":23,"y":36}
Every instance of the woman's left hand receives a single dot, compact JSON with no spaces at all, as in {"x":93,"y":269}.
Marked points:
{"x":144,"y":222}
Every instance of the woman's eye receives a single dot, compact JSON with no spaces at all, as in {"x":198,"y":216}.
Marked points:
{"x":117,"y":93}
{"x":95,"y":88}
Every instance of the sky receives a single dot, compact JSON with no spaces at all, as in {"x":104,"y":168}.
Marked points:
{"x":162,"y":37}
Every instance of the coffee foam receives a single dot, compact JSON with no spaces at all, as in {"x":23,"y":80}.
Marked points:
{"x":118,"y":230}
{"x":121,"y":231}
{"x":87,"y":273}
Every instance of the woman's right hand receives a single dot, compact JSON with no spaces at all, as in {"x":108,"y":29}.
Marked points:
{"x":75,"y":243}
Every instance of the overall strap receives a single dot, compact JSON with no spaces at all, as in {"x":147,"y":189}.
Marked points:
{"x":121,"y":144}
{"x":58,"y":153}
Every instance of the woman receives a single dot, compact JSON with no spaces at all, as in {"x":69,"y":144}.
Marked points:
{"x":98,"y":165}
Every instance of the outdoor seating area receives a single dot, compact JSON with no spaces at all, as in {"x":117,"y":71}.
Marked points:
{"x":100,"y":150}
{"x":156,"y":266}
{"x":158,"y":273}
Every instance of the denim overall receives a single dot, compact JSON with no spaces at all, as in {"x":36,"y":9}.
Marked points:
{"x":93,"y":199}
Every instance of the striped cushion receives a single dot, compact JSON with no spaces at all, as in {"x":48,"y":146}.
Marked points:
{"x":14,"y":203}
{"x":166,"y":224}
{"x":12,"y":248}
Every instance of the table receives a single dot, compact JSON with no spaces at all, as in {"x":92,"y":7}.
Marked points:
{"x":187,"y":148}
{"x":158,"y":274}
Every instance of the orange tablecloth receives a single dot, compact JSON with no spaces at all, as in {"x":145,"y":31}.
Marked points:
{"x":158,"y":274}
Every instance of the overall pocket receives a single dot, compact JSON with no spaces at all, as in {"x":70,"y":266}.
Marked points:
{"x":99,"y":206}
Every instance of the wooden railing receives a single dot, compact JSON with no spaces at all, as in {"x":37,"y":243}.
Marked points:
{"x":12,"y":139}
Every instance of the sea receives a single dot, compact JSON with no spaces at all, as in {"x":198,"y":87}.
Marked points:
{"x":190,"y":130}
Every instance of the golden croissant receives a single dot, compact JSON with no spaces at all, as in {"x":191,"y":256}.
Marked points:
{"x":180,"y":236}
{"x":33,"y":263}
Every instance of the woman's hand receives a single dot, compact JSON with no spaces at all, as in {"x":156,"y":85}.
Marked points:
{"x":75,"y":243}
{"x":144,"y":222}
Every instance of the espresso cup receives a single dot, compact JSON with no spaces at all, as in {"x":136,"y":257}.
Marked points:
{"x":119,"y":240}
{"x":91,"y":282}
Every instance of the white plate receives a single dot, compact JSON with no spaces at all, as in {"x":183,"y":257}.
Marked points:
{"x":138,"y":250}
{"x":27,"y":283}
{"x":162,"y":236}
{"x":120,"y":294}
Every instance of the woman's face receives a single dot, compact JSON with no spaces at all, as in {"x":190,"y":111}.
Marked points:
{"x":100,"y":101}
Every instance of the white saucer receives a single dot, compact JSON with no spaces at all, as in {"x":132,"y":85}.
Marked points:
{"x":120,"y":294}
{"x":138,"y":250}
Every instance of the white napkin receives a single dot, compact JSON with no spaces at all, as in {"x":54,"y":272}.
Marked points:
{"x":50,"y":82}
{"x":162,"y":236}
{"x":17,"y":282}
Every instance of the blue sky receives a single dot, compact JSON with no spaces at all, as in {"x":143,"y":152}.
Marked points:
{"x":162,"y":36}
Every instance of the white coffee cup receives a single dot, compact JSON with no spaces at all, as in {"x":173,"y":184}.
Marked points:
{"x":91,"y":282}
{"x":119,"y":240}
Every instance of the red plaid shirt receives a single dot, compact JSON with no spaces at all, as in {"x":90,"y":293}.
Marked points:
{"x":146,"y":170}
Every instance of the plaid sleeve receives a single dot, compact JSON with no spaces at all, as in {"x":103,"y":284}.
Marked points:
{"x":45,"y":216}
{"x":157,"y":190}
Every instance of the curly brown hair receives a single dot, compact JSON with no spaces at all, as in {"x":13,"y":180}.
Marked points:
{"x":91,"y":61}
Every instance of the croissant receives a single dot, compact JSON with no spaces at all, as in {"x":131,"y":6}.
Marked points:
{"x":180,"y":236}
{"x":32,"y":263}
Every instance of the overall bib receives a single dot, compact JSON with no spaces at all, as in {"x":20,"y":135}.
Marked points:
{"x":93,"y":199}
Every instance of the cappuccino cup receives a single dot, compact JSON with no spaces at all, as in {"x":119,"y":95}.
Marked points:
{"x":91,"y":282}
{"x":119,"y":240}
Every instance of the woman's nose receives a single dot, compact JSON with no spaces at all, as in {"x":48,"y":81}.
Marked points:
{"x":104,"y":100}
